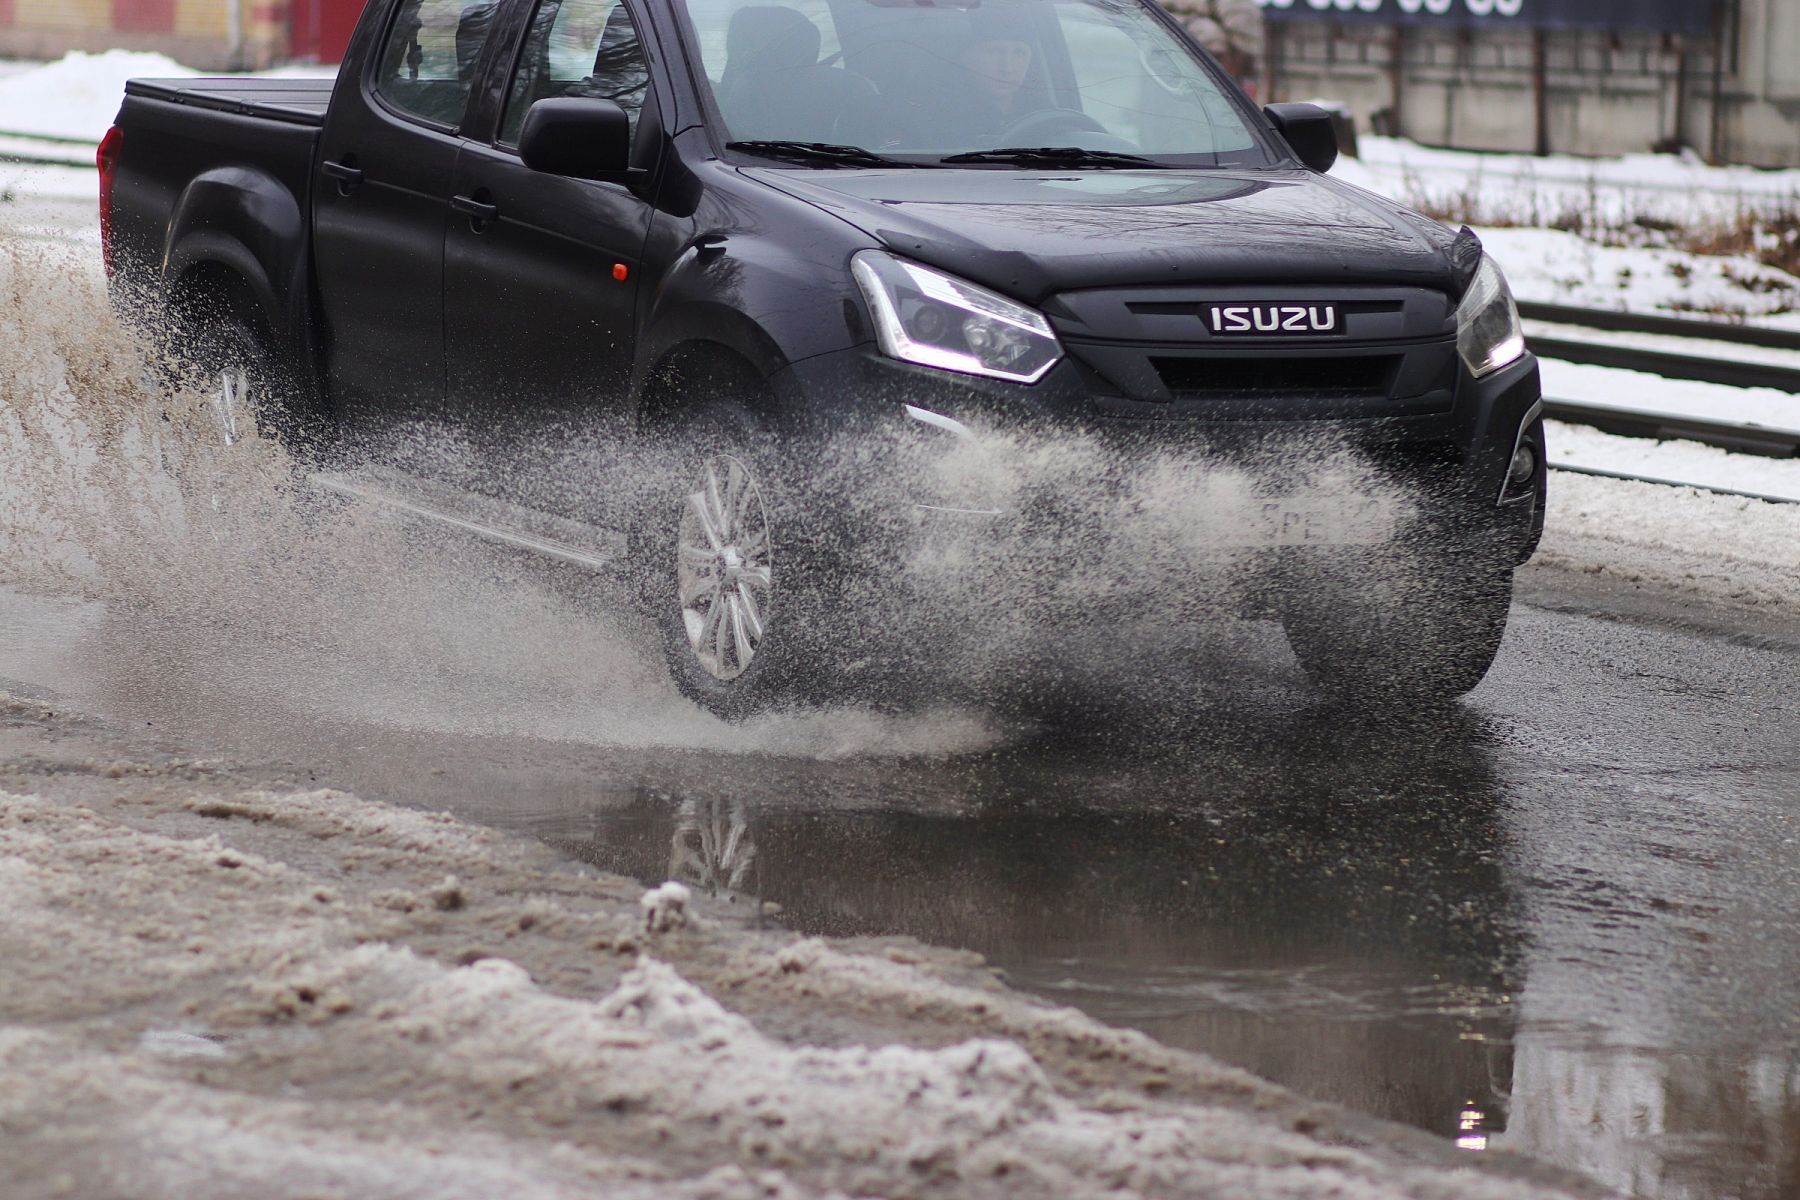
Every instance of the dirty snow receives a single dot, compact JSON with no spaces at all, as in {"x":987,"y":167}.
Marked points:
{"x":1689,"y":550}
{"x":1553,"y":267}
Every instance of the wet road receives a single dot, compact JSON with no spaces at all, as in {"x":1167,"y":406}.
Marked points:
{"x":1569,"y":907}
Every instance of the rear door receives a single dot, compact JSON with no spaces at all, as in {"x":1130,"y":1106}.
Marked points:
{"x":386,"y":160}
{"x":541,"y":272}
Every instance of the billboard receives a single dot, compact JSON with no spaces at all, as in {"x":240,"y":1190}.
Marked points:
{"x":1663,"y":16}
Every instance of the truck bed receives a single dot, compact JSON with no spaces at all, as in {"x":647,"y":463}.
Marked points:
{"x":293,"y":101}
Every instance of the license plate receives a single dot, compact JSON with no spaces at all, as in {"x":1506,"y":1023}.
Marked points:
{"x":1321,"y":521}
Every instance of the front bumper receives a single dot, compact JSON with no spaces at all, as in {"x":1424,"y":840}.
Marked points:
{"x":1451,"y":449}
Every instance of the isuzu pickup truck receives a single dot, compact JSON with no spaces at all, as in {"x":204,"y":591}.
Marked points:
{"x":512,"y":233}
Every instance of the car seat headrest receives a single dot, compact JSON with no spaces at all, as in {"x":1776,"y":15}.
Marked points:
{"x":770,"y":37}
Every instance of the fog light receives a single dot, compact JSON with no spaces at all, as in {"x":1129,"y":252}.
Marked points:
{"x":1524,"y":465}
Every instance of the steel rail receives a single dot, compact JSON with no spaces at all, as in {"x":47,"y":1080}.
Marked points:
{"x":1613,"y":321}
{"x":1662,"y":481}
{"x":1670,"y":364}
{"x":54,"y":139}
{"x":1768,"y":441}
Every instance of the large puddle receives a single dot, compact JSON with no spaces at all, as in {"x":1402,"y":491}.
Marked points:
{"x":1574,"y":943}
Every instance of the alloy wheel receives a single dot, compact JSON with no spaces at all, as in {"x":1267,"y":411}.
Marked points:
{"x":723,"y":567}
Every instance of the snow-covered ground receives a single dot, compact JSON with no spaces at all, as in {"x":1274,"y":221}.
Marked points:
{"x":1661,"y":187}
{"x":1727,"y":556}
{"x":1638,"y":213}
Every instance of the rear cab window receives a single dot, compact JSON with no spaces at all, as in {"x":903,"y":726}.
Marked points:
{"x":427,"y":65}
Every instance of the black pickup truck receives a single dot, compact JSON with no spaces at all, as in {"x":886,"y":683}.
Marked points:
{"x":514,"y":239}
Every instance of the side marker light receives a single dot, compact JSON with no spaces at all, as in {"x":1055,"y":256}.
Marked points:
{"x":621,"y":272}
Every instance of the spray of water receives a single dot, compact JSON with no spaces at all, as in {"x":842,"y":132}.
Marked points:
{"x":1083,"y":560}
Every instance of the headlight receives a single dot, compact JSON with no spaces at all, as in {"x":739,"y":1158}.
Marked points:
{"x":924,"y":316}
{"x":1487,"y":323}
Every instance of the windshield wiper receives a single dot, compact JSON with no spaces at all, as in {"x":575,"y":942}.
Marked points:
{"x":824,"y":152}
{"x":1053,"y":156}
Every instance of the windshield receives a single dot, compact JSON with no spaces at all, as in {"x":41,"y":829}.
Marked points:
{"x":925,"y":81}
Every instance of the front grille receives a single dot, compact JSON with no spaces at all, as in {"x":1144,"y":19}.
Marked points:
{"x":1338,"y":378}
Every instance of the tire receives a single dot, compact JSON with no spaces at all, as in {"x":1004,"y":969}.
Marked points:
{"x":250,"y":387}
{"x":725,"y":551}
{"x":1425,"y":635}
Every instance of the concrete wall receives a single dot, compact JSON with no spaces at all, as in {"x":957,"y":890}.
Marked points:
{"x":1604,"y":94}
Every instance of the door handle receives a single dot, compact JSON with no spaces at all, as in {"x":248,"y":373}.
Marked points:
{"x":348,"y":177}
{"x":479,"y":212}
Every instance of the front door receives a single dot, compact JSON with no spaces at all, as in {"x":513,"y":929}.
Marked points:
{"x":386,"y":159}
{"x":541,"y":272}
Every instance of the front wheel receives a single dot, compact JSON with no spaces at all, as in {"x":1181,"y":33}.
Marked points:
{"x":724,"y":569}
{"x":1425,"y":634}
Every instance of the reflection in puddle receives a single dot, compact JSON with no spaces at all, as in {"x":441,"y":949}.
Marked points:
{"x":1354,"y":925}
{"x":712,"y":849}
{"x":1341,"y":927}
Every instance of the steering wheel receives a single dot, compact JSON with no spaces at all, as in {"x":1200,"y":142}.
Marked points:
{"x":1034,"y":127}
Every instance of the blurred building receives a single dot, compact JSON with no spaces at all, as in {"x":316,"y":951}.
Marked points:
{"x":1231,"y":29}
{"x":208,"y":34}
{"x":1721,"y":77}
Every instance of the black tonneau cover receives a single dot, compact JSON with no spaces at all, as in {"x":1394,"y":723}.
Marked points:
{"x":295,"y":101}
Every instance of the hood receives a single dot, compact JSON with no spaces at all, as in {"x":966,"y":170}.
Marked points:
{"x":1031,"y":234}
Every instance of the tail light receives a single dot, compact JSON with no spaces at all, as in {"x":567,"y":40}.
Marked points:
{"x":108,"y":161}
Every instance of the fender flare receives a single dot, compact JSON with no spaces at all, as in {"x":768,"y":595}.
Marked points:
{"x":250,"y":223}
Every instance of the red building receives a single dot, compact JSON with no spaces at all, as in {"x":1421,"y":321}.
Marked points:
{"x":208,"y":34}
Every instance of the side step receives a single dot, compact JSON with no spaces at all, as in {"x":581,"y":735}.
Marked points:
{"x":491,"y":520}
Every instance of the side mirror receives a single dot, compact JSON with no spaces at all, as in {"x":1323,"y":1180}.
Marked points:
{"x":580,"y":137}
{"x":1308,"y":129}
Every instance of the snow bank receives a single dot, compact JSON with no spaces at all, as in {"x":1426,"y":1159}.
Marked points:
{"x":1685,"y":549}
{"x":77,"y":96}
{"x":214,"y":992}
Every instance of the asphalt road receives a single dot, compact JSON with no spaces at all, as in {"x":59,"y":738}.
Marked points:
{"x":1567,"y":907}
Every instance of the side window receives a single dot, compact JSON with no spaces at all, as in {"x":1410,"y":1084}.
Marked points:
{"x":577,"y":48}
{"x":427,"y":66}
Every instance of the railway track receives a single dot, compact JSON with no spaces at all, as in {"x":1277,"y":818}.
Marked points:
{"x":1578,"y":335}
{"x":1569,"y":334}
{"x":1768,"y":441}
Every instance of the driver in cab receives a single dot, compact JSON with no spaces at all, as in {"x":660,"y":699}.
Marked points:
{"x":996,"y":57}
